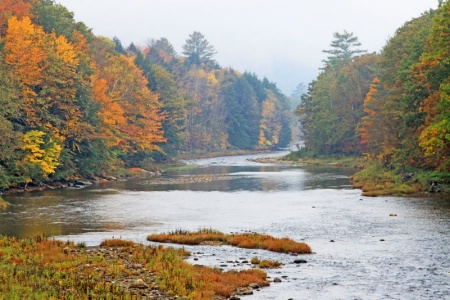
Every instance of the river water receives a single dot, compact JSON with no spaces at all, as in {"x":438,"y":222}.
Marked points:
{"x":360,"y":251}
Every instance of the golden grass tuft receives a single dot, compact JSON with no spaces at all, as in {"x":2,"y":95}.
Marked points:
{"x":189,"y":238}
{"x":116,"y":243}
{"x":3,"y":204}
{"x":266,"y":264}
{"x":249,"y":241}
{"x":266,"y":242}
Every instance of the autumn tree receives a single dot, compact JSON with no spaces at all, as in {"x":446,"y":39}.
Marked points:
{"x":161,"y":52}
{"x":13,"y":8}
{"x":392,"y":107}
{"x":333,"y":106}
{"x":433,"y":73}
{"x":134,"y":120}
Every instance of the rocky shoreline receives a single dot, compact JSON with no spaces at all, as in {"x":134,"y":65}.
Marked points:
{"x":189,"y":179}
{"x":136,"y":278}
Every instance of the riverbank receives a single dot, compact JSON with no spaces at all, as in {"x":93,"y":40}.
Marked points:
{"x":373,"y":179}
{"x":153,"y":170}
{"x":40,"y":268}
{"x":190,"y":156}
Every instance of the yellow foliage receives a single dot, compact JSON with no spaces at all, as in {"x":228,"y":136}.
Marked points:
{"x":212,"y":80}
{"x":46,"y":157}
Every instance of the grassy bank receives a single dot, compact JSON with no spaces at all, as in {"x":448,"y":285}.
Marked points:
{"x":39,"y":268}
{"x":338,"y":161}
{"x":378,"y":181}
{"x":247,"y":240}
{"x":374,"y":180}
{"x":4,"y":204}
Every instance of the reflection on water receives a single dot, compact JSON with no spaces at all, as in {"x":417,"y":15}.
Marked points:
{"x":373,"y":256}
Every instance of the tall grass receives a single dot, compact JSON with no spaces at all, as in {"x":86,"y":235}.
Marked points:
{"x":249,"y":241}
{"x":39,"y":268}
{"x":3,"y":204}
{"x":378,"y":181}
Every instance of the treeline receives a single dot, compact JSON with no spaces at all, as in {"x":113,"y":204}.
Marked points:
{"x":74,"y":104}
{"x":392,"y":107}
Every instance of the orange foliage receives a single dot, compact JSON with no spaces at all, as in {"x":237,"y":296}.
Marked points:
{"x":9,"y":8}
{"x":367,"y":124}
{"x":25,"y":54}
{"x":45,"y":67}
{"x":128,"y":106}
{"x":430,"y":107}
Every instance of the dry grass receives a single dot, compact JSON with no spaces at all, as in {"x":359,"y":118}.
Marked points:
{"x":266,"y":264}
{"x":267,"y":242}
{"x":249,"y":241}
{"x":116,"y":243}
{"x":181,"y":278}
{"x":3,"y":204}
{"x":189,"y":238}
{"x":39,"y":268}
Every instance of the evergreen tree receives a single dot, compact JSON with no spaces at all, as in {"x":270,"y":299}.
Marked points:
{"x":198,"y":50}
{"x":343,"y":48}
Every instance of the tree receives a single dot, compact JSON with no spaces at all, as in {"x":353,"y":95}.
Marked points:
{"x":128,"y":110}
{"x":433,"y":73}
{"x":333,"y":107}
{"x":9,"y":8}
{"x":242,"y":118}
{"x":390,"y":126}
{"x":174,"y":107}
{"x":343,"y":48}
{"x":198,"y":50}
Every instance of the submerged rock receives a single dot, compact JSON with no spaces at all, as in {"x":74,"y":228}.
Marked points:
{"x":300,"y":261}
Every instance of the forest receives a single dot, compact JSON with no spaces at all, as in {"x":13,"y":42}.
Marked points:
{"x":74,"y":105}
{"x":392,"y":107}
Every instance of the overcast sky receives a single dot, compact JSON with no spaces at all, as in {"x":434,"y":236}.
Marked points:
{"x":278,"y":39}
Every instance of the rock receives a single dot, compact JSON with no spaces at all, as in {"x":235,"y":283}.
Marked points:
{"x":139,"y":284}
{"x":392,"y":215}
{"x":382,"y":240}
{"x":407,"y":177}
{"x":332,"y":241}
{"x":235,"y":298}
{"x":85,"y":183}
{"x":277,"y":279}
{"x":254,"y":286}
{"x":300,"y":261}
{"x":244,"y":292}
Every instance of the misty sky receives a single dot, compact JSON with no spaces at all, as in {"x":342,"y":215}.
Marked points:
{"x":278,"y":39}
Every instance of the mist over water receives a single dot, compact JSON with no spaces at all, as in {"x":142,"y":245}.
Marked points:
{"x":373,"y":256}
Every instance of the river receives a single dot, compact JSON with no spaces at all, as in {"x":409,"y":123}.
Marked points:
{"x":360,"y":251}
